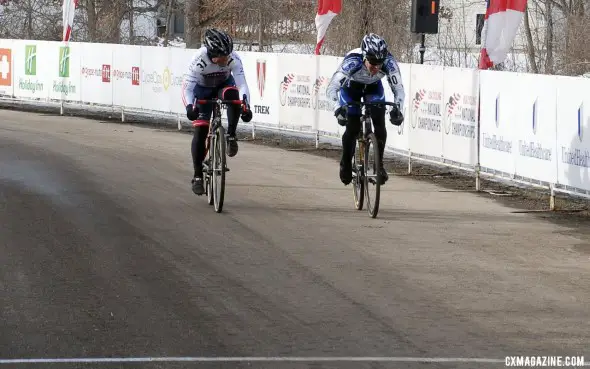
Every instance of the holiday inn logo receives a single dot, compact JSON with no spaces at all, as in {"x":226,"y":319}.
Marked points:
{"x":61,"y":85}
{"x":31,"y":60}
{"x":31,"y":83}
{"x":64,"y":61}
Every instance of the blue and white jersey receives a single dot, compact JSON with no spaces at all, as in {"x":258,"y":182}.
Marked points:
{"x":353,"y":68}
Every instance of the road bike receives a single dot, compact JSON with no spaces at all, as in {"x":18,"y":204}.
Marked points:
{"x":367,"y":146}
{"x":215,"y":166}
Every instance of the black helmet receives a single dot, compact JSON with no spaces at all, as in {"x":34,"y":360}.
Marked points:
{"x":374,"y":48}
{"x":218,"y":43}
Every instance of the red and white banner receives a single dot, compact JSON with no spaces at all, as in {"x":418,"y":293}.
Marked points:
{"x":327,"y":10}
{"x":68,"y":9}
{"x":501,"y":23}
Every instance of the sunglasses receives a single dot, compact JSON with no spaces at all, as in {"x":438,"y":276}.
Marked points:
{"x":375,"y":62}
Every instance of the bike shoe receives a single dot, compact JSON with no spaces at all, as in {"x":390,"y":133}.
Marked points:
{"x":232,"y":149}
{"x":346,"y":173}
{"x":198,"y":188}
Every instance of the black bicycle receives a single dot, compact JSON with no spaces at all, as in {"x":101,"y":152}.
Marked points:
{"x":215,"y":166}
{"x":367,"y":146}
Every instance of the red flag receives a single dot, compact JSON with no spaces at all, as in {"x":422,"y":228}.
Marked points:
{"x":327,"y":10}
{"x":68,"y":9}
{"x":501,"y":23}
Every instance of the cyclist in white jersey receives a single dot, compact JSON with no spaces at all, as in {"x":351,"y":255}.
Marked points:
{"x":214,"y":71}
{"x":363,"y":69}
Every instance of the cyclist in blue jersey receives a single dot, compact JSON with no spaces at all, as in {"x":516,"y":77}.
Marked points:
{"x":359,"y":76}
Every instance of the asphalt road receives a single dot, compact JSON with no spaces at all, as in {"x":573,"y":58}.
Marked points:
{"x":106,"y":252}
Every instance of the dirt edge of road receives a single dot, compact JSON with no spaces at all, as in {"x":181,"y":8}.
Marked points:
{"x":570,"y":211}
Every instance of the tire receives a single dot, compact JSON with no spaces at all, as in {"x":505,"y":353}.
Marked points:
{"x":219,"y":158}
{"x":209,"y":190}
{"x":358,"y":183}
{"x":372,"y":147}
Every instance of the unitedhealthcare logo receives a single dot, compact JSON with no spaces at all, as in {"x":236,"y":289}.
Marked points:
{"x":535,"y":116}
{"x":531,"y":148}
{"x":498,"y":111}
{"x":580,"y":121}
{"x":575,"y":156}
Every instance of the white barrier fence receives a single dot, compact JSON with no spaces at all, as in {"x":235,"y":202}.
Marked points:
{"x":532,"y":126}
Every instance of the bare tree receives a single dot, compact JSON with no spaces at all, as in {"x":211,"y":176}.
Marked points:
{"x":30,"y":19}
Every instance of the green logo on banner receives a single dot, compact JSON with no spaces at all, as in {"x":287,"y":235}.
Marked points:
{"x":64,"y":61}
{"x":31,"y":60}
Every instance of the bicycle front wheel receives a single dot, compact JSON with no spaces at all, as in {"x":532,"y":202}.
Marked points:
{"x":372,"y":174}
{"x":358,"y":176}
{"x":218,"y":164}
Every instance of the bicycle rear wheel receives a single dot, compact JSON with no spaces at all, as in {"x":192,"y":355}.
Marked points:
{"x":218,"y":165}
{"x":372,"y":174}
{"x":358,"y":182}
{"x":208,"y":176}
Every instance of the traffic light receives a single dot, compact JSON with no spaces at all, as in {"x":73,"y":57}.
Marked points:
{"x":424,"y":16}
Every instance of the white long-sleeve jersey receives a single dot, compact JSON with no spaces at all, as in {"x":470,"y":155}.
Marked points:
{"x":353,"y":68}
{"x":203,"y":72}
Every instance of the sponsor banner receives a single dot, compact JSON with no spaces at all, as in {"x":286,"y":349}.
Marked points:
{"x":573,"y":132}
{"x":460,"y":114}
{"x":498,"y":107}
{"x":31,"y":68}
{"x":261,"y":71}
{"x":173,"y":76}
{"x":126,"y":76}
{"x":155,"y":78}
{"x":64,"y":71}
{"x":6,"y":67}
{"x":297,"y":75}
{"x":398,"y":137}
{"x":327,"y":122}
{"x":534,"y":125}
{"x":426,"y":107}
{"x":96,"y":73}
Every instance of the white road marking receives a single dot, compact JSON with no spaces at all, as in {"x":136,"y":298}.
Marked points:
{"x":246,"y":359}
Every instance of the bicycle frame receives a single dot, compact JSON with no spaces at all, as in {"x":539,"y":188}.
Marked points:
{"x":216,"y":116}
{"x":366,"y":139}
{"x":366,"y":121}
{"x":211,"y":167}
